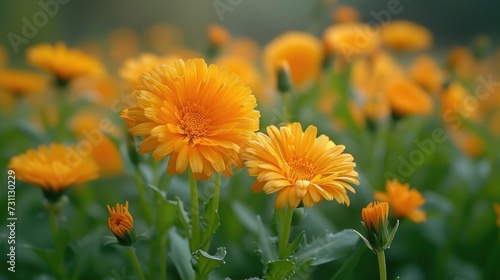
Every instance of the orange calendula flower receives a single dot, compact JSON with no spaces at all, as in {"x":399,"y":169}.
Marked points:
{"x":344,"y":13}
{"x":121,"y":224}
{"x":496,"y":206}
{"x":21,"y":82}
{"x":64,"y":63}
{"x":406,"y":98}
{"x":403,"y":35}
{"x":133,"y":67}
{"x":218,"y":35}
{"x":54,"y":168}
{"x":349,"y":40}
{"x":425,"y":71}
{"x":403,"y":201}
{"x":375,"y":226}
{"x":299,"y":166}
{"x":199,"y":115}
{"x":303,"y":53}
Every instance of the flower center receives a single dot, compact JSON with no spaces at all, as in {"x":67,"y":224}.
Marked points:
{"x":301,"y":169}
{"x":195,"y":122}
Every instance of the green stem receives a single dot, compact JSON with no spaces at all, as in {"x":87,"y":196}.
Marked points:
{"x":381,"y":264}
{"x":195,"y":214}
{"x":216,"y":202}
{"x":135,"y":263}
{"x":287,"y":106}
{"x":284,"y":232}
{"x":59,"y":249}
{"x":163,"y":257}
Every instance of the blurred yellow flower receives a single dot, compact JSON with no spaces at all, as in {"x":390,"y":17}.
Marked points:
{"x":452,"y":101}
{"x":89,"y":126}
{"x":344,"y":14}
{"x":403,"y":35}
{"x":101,"y":90}
{"x":54,"y":168}
{"x":247,"y":72}
{"x":218,"y":35}
{"x":425,"y":71}
{"x":469,"y":142}
{"x":349,"y":40}
{"x":375,"y":214}
{"x":64,"y":63}
{"x":20,"y":82}
{"x":199,"y":115}
{"x":132,"y":68}
{"x":403,"y":201}
{"x":121,"y":224}
{"x":299,"y":166}
{"x":123,"y":43}
{"x":496,"y":206}
{"x":406,"y":98}
{"x":245,"y":48}
{"x":163,"y":37}
{"x":303,"y":53}
{"x":461,"y":61}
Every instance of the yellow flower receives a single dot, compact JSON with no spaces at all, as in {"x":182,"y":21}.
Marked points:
{"x":218,"y":35}
{"x":64,"y":63}
{"x":344,"y":13}
{"x":425,"y":71}
{"x":452,"y":101}
{"x":245,"y":70}
{"x":374,"y":214}
{"x":497,"y":210}
{"x":349,"y":40}
{"x":245,"y":48}
{"x":132,"y":68}
{"x":163,"y":37}
{"x":461,"y":61}
{"x":21,"y":82}
{"x":403,"y":35}
{"x":406,"y":98}
{"x":54,"y":168}
{"x":101,"y":90}
{"x":469,"y":142}
{"x":403,"y":201}
{"x":199,"y":115}
{"x":299,"y":166}
{"x":300,"y":50}
{"x":88,"y":126}
{"x":121,"y":224}
{"x":123,"y":43}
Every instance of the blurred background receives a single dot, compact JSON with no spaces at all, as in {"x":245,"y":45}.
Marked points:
{"x":452,"y":22}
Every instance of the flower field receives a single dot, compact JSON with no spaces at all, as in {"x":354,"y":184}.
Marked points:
{"x":348,"y":149}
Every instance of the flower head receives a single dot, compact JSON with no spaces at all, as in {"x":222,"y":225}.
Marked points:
{"x":407,"y":98}
{"x":199,"y":115}
{"x":299,"y":166}
{"x":64,"y":63}
{"x":218,"y":35}
{"x":425,"y":71}
{"x":403,"y":35}
{"x":403,"y":201}
{"x":300,"y":50}
{"x":375,"y":226}
{"x":21,"y":82}
{"x":348,"y":40}
{"x":343,"y":14}
{"x":132,"y":68}
{"x":121,"y":224}
{"x":54,"y":168}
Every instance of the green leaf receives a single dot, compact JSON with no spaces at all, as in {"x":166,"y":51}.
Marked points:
{"x":183,"y":217}
{"x":166,"y":217}
{"x":327,"y":247}
{"x":159,"y":194}
{"x":48,"y":256}
{"x":295,"y":243}
{"x":278,"y":270}
{"x":204,"y":263}
{"x":211,"y":221}
{"x":181,"y":255}
{"x":349,"y":265}
{"x":267,"y":244}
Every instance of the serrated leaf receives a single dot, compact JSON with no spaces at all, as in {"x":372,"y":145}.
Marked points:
{"x":266,"y":243}
{"x":204,"y":263}
{"x":183,"y":217}
{"x":327,"y":247}
{"x":278,"y":270}
{"x":181,"y":255}
{"x":211,"y":220}
{"x":295,"y":243}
